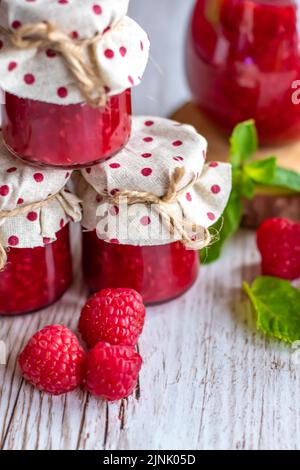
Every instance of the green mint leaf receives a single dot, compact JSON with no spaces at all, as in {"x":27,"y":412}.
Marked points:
{"x":277,"y":306}
{"x":243,"y":183}
{"x":261,"y":171}
{"x":247,"y":188}
{"x":224,"y":228}
{"x":243,"y":142}
{"x":287,"y":179}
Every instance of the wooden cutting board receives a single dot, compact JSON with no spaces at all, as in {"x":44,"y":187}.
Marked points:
{"x":262,"y":206}
{"x":218,"y":146}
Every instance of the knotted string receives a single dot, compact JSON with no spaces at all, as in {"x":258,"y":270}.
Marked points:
{"x":179,"y":226}
{"x":80,"y":55}
{"x":16,"y":212}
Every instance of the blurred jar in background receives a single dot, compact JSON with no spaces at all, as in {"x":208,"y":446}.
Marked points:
{"x":243,"y":61}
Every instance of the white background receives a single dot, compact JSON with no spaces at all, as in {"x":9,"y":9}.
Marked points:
{"x":164,"y":86}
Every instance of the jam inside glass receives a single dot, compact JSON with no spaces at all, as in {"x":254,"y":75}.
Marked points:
{"x":70,"y":136}
{"x":243,"y":57}
{"x":34,"y":278}
{"x":158,"y":273}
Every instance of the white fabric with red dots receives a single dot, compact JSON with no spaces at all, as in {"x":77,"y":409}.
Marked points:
{"x":42,"y":74}
{"x":157,"y":146}
{"x":20,"y":185}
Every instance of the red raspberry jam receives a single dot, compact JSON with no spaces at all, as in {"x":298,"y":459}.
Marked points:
{"x":158,"y":273}
{"x":242,"y":59}
{"x":36,"y":277}
{"x":71,"y":136}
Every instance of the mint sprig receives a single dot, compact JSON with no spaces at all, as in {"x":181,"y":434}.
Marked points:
{"x":261,"y":171}
{"x":243,"y":143}
{"x":249,"y":177}
{"x":277,"y":306}
{"x":286,"y":179}
{"x":224,"y":228}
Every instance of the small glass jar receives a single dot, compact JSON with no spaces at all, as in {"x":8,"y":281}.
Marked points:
{"x":70,"y":136}
{"x":34,"y":278}
{"x":243,"y":61}
{"x":147,"y":211}
{"x":158,"y":273}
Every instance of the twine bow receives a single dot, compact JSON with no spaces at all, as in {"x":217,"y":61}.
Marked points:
{"x":80,"y":55}
{"x":16,"y":212}
{"x":163,"y":205}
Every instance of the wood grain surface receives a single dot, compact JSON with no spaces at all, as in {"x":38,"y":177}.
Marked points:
{"x":288,"y":155}
{"x":209,"y":380}
{"x":263,"y":205}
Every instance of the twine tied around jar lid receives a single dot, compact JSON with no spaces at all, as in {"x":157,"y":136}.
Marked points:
{"x":163,"y":205}
{"x":80,"y":55}
{"x":16,"y":212}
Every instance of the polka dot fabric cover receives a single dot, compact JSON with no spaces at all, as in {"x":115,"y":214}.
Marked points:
{"x":157,"y":146}
{"x":42,"y":74}
{"x":20,"y":185}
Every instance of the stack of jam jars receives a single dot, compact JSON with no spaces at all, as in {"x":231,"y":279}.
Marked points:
{"x":243,"y":61}
{"x":66,"y":73}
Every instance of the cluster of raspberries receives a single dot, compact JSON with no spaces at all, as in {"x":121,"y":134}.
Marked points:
{"x":110,"y":324}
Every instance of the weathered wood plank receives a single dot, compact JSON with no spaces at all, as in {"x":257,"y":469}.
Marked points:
{"x":33,"y":411}
{"x":209,"y":381}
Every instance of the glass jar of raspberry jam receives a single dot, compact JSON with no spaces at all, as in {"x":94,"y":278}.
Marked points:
{"x":146,"y":212}
{"x":67,"y":68}
{"x":158,"y":273}
{"x":70,"y":136}
{"x":243,"y":61}
{"x":35,"y":210}
{"x":34,"y":278}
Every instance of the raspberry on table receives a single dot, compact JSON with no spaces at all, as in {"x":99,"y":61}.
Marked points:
{"x":112,"y":371}
{"x":278,"y":241}
{"x":53,"y":360}
{"x":113,"y":315}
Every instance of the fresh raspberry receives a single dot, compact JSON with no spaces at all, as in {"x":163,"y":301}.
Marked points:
{"x":112,"y":371}
{"x":113,"y":315}
{"x":278,"y":241}
{"x":53,"y":360}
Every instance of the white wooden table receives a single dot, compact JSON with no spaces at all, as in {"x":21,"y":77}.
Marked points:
{"x":209,"y":380}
